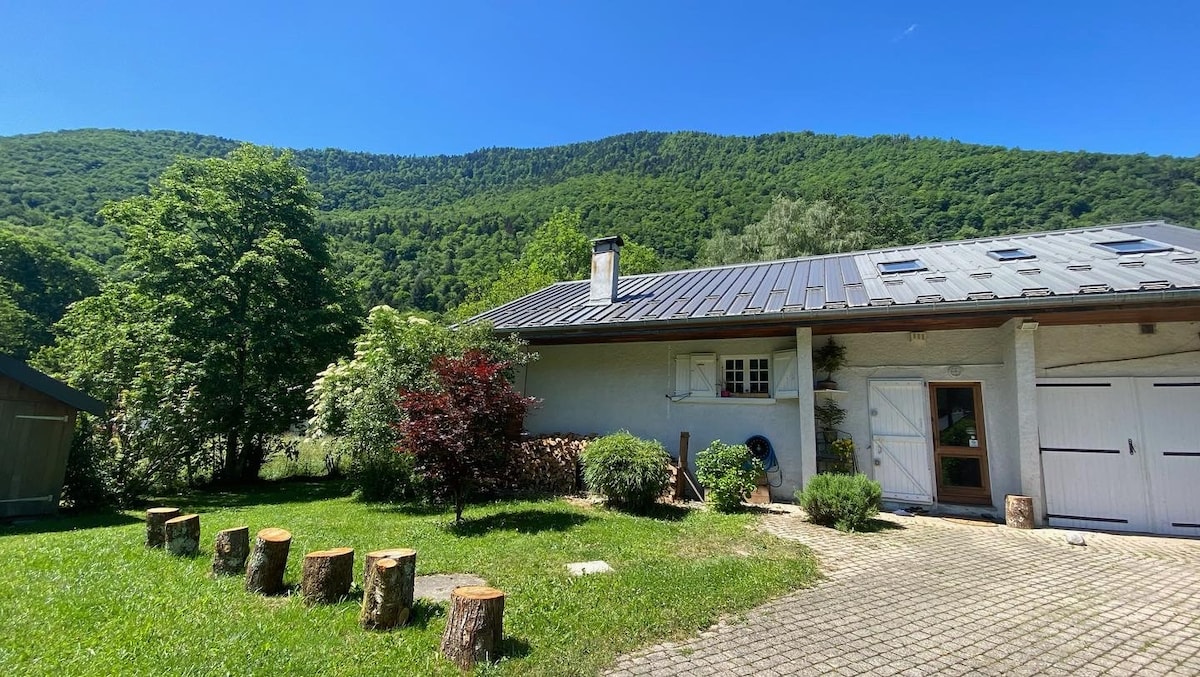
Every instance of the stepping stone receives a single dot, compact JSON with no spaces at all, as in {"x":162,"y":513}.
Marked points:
{"x":584,"y":568}
{"x":437,"y":587}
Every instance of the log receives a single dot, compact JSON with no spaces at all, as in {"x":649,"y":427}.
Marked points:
{"x":1018,"y":511}
{"x":264,"y":569}
{"x":155,"y":519}
{"x":374,"y":556}
{"x":230,"y":551}
{"x":327,"y":575}
{"x":474,"y":625}
{"x":388,"y":593}
{"x":182,"y":535}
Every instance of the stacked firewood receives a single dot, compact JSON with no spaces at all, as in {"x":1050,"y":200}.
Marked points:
{"x":549,"y":464}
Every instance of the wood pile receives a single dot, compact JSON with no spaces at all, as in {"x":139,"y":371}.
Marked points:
{"x":549,"y":464}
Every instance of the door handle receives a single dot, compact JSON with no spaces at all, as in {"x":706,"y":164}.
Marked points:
{"x":1132,"y":450}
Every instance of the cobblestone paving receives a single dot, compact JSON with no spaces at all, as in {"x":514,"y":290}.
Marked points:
{"x":929,"y":596}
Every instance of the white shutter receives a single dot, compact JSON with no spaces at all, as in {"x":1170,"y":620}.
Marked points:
{"x":785,"y":375}
{"x":702,"y":376}
{"x":683,"y":368}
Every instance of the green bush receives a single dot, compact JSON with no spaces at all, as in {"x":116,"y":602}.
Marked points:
{"x":846,"y":502}
{"x":728,"y":474}
{"x":383,"y":476}
{"x":628,"y":471}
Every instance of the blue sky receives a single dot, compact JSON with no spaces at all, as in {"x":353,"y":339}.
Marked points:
{"x":449,"y":77}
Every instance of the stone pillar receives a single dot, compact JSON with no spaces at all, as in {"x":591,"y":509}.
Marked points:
{"x":808,"y":424}
{"x":1024,"y":373}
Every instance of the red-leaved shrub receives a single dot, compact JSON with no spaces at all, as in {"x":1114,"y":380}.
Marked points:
{"x":460,"y":434}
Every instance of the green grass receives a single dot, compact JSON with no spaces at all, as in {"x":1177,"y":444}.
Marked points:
{"x":81,"y":595}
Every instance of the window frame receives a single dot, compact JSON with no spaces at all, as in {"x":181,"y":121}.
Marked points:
{"x":764,"y":370}
{"x":1148,"y":246}
{"x":1011,"y":254}
{"x":910,"y":266}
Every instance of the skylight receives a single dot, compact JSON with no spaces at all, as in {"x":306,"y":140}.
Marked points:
{"x":906,"y":266}
{"x":1010,"y":254}
{"x":1137,"y":246}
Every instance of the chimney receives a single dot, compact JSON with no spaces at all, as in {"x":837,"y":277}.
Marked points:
{"x":606,"y":266}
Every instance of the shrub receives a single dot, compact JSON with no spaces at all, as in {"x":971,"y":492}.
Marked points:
{"x":628,"y":471}
{"x":461,"y":432}
{"x":728,"y":474}
{"x":846,"y":502}
{"x":383,"y":476}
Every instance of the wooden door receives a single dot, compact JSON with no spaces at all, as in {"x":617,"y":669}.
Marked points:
{"x":899,"y":440}
{"x":960,"y":464}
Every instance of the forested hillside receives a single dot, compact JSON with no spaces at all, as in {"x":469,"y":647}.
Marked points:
{"x":420,"y":231}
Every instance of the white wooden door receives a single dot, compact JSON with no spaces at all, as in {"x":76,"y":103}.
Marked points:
{"x":1086,"y":427}
{"x":1170,"y":410}
{"x":900,"y":440}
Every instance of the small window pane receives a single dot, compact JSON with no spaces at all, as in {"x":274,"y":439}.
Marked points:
{"x":1138,"y":246}
{"x":908,"y":266}
{"x":961,"y":471}
{"x":956,"y":417}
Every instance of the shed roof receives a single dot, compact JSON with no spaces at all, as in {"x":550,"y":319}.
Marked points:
{"x":1060,"y":267}
{"x":32,"y":378}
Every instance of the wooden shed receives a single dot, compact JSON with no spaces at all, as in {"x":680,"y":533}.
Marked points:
{"x":37,"y":420}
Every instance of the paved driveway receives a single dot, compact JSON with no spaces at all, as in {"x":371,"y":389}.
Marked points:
{"x":932,"y":596}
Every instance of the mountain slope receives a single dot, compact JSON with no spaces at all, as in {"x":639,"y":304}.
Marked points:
{"x":417,"y":230}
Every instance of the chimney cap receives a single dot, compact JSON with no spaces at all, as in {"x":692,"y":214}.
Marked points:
{"x":611,"y":239}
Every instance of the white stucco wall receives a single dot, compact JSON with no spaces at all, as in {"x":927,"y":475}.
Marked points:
{"x":1119,"y":350}
{"x":983,"y":355}
{"x":601,"y":388}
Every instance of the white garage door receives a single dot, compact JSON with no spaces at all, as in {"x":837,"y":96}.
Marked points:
{"x":1121,"y":453}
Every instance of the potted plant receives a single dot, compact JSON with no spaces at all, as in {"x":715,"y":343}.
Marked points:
{"x":828,"y":359}
{"x":829,"y":416}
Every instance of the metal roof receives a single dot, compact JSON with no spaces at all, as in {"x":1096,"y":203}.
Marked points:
{"x":28,"y":376}
{"x":1066,"y":264}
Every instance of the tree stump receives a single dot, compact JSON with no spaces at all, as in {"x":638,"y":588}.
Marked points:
{"x":183,"y":535}
{"x":230,"y":551}
{"x":264,"y":570}
{"x":388,"y":592}
{"x":1018,"y":511}
{"x":474,"y":625}
{"x":155,"y":519}
{"x":374,"y":556}
{"x":327,"y":575}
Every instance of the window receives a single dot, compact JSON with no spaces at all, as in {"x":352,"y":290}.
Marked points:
{"x":906,"y":266}
{"x":1137,"y":246}
{"x":703,"y":377}
{"x":1014,"y":254}
{"x":745,"y":376}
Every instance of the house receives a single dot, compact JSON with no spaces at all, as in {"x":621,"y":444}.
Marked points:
{"x":1062,"y":365}
{"x":37,"y":420}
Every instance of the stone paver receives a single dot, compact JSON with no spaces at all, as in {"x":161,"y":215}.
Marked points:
{"x":930,"y":596}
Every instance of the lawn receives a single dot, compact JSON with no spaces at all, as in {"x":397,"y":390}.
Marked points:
{"x":81,"y":595}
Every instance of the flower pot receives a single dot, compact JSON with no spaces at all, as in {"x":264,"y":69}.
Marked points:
{"x":827,"y":385}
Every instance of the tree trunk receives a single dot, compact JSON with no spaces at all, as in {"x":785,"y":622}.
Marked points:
{"x":388,"y":593}
{"x":474,"y":625}
{"x":1018,"y":511}
{"x":155,"y":519}
{"x":374,"y":556}
{"x":231,"y":455}
{"x":230,"y":551}
{"x":183,"y":535}
{"x":264,"y":571}
{"x":327,"y":575}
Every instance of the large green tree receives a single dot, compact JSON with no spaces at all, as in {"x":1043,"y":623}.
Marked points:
{"x":790,"y":228}
{"x":38,"y":280}
{"x":227,"y":255}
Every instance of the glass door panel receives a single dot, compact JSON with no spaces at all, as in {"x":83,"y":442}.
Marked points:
{"x":959,"y":443}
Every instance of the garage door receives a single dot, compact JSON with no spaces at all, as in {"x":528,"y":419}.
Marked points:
{"x":1121,"y":453}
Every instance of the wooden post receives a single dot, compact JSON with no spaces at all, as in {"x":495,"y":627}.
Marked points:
{"x":474,"y":625}
{"x":155,"y":519}
{"x":230,"y":551}
{"x":264,"y":570}
{"x":182,"y":535}
{"x":374,"y":556}
{"x":1018,"y":511}
{"x":681,"y":475}
{"x":327,"y":575}
{"x":388,"y":592}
